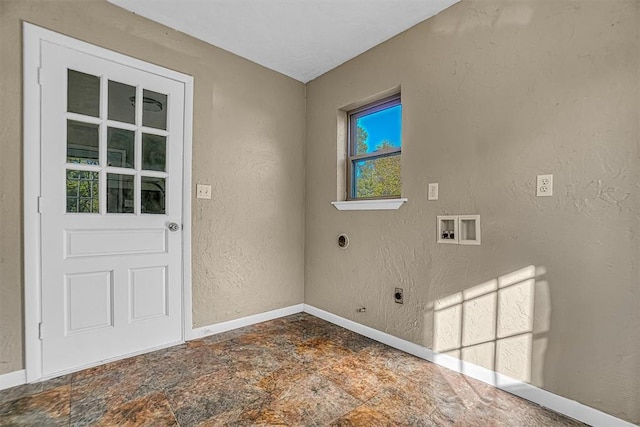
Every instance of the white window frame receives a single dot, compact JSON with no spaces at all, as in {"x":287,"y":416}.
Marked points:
{"x":353,"y":157}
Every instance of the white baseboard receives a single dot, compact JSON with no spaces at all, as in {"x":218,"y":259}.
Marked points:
{"x":13,"y":379}
{"x":244,"y":321}
{"x":544,"y":398}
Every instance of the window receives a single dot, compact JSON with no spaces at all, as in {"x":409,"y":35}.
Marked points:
{"x":375,"y":145}
{"x":135,"y":164}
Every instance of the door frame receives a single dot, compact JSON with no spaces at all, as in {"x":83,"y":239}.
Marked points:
{"x":33,"y":37}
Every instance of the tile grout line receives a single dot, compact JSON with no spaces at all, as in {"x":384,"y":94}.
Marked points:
{"x":362,"y":402}
{"x":70,"y":398}
{"x":173,"y":413}
{"x":163,"y":389}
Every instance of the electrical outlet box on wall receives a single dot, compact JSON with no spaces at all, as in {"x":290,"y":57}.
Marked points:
{"x":544,"y":185}
{"x":203,"y":191}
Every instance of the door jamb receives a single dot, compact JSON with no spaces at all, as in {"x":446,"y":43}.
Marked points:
{"x":33,"y":36}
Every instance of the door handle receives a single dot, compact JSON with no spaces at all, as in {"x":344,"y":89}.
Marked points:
{"x":173,"y":226}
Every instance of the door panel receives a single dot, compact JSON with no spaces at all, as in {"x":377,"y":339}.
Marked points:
{"x":88,"y":302}
{"x":115,"y":242}
{"x":148,"y":297}
{"x":112,"y":152}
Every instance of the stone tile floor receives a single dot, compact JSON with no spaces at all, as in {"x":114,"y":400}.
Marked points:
{"x":294,"y":371}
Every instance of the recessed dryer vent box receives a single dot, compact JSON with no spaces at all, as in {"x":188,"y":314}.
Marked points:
{"x":469,"y":229}
{"x":448,"y":229}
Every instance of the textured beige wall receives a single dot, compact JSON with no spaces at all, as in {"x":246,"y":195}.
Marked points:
{"x":494,"y":93}
{"x":247,"y":142}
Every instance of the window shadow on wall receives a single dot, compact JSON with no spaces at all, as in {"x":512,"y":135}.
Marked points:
{"x":500,"y":325}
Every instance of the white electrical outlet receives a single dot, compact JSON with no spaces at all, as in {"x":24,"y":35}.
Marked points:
{"x":544,"y":185}
{"x":203,"y":191}
{"x":433,"y":191}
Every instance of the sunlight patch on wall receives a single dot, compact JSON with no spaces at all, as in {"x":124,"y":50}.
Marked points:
{"x":491,"y":324}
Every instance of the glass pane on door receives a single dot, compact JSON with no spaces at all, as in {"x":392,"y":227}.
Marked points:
{"x":153,"y":195}
{"x":82,"y":142}
{"x":154,"y":152}
{"x":120,"y":148}
{"x":119,"y":193}
{"x":83,"y":93}
{"x":154,"y":109}
{"x":83,"y":194}
{"x":122,"y":102}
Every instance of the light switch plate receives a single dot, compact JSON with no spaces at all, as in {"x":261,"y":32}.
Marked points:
{"x":433,"y":191}
{"x":544,"y":185}
{"x":203,"y":191}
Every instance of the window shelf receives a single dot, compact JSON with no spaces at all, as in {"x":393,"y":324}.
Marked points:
{"x":369,"y":205}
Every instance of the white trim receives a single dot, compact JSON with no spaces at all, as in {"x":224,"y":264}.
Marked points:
{"x":369,"y":205}
{"x":33,"y":36}
{"x":562,"y":405}
{"x":218,"y":328}
{"x":187,"y":298}
{"x":374,"y":334}
{"x":42,"y":34}
{"x":31,"y":177}
{"x":12,"y":379}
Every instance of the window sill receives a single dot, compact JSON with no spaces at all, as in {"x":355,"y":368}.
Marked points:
{"x":369,"y":205}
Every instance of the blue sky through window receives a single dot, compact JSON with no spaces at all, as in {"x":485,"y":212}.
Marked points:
{"x":383,"y":125}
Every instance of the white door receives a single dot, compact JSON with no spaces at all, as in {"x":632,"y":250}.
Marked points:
{"x":111,"y":209}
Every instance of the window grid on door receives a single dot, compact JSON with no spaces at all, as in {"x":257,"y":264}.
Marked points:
{"x":117,"y":142}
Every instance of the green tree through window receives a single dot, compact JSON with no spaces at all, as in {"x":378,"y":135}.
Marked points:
{"x":375,"y":149}
{"x":379,"y":177}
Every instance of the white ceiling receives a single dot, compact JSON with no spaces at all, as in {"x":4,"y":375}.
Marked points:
{"x":299,"y":38}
